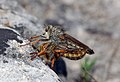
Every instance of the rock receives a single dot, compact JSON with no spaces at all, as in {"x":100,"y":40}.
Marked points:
{"x":18,"y":71}
{"x":16,"y":26}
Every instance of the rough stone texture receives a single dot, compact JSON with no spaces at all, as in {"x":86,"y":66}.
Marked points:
{"x":15,"y":64}
{"x":18,"y":71}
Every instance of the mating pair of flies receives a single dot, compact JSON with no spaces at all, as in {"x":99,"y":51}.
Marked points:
{"x":57,"y":43}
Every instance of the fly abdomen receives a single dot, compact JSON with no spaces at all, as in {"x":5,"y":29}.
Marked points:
{"x":73,"y":56}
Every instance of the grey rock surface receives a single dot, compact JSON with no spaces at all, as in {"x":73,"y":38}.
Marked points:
{"x":18,"y":71}
{"x":16,"y":26}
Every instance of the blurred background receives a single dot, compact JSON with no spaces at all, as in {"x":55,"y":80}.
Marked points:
{"x":95,"y":23}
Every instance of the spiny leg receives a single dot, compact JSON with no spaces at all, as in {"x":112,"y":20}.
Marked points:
{"x":33,"y":42}
{"x":56,"y":56}
{"x":33,"y":57}
{"x":42,"y":52}
{"x":59,"y":51}
{"x":52,"y":63}
{"x":39,"y":53}
{"x":34,"y":37}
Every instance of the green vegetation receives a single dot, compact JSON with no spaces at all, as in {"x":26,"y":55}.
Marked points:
{"x":86,"y":68}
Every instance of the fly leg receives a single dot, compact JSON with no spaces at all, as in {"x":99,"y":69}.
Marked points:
{"x":32,"y":42}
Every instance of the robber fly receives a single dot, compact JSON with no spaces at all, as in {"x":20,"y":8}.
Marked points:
{"x":57,"y":44}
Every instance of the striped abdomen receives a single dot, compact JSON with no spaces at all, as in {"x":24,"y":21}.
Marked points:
{"x":74,"y":54}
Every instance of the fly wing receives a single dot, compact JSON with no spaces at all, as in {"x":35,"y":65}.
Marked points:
{"x":70,"y":43}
